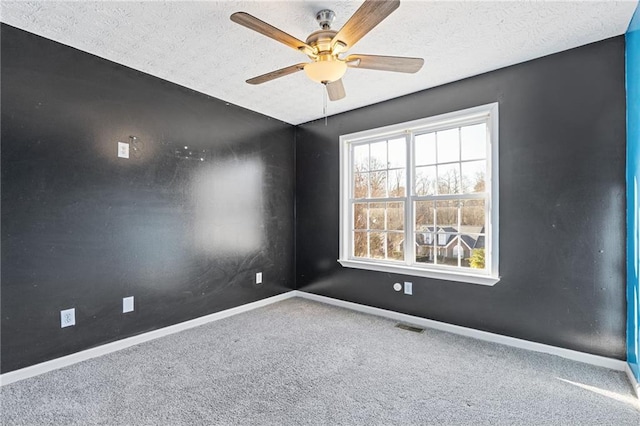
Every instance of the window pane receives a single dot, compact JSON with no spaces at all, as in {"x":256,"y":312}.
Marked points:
{"x":425,"y":253}
{"x":428,"y":238}
{"x":449,"y":179}
{"x":360,"y":216}
{"x":474,"y":142}
{"x":425,"y":178}
{"x":473,"y":174}
{"x":473,"y":215}
{"x":425,"y":149}
{"x":360,"y":185}
{"x":397,"y":153}
{"x":424,"y":212}
{"x":378,"y":184}
{"x":445,"y":249}
{"x":423,"y":238}
{"x":473,"y":245}
{"x":443,"y":239}
{"x":448,"y":145}
{"x":447,"y":216}
{"x":360,"y":244}
{"x":396,"y":183}
{"x":425,"y":245}
{"x":457,"y":251}
{"x":395,"y":216}
{"x":378,"y":159}
{"x":395,"y":246}
{"x":361,"y":158}
{"x":377,"y":243}
{"x":376,"y":215}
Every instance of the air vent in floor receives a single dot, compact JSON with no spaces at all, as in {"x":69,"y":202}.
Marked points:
{"x":410,"y":328}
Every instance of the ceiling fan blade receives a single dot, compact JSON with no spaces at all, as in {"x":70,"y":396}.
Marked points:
{"x":370,"y":14}
{"x":276,"y":74}
{"x":270,"y":31}
{"x":335,"y":89}
{"x":385,"y":63}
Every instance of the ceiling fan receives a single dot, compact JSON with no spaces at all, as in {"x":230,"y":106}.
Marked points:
{"x":325,"y":46}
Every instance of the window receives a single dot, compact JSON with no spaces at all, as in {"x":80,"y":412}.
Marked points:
{"x":421,"y":198}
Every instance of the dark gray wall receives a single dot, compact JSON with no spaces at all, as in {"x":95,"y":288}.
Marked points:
{"x":82,"y":228}
{"x":562,"y":204}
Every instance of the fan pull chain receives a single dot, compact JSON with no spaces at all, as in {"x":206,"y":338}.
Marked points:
{"x":324,"y":105}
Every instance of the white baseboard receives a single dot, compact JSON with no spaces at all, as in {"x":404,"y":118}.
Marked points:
{"x":632,"y":379}
{"x":54,"y":364}
{"x":600,"y":361}
{"x":35,"y":370}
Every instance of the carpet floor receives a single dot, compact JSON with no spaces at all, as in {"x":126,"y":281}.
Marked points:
{"x":299,"y":362}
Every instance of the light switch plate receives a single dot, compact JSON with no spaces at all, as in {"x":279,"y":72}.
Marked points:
{"x":67,"y":318}
{"x":123,"y":150}
{"x":408,"y":287}
{"x":259,"y":278}
{"x":127,"y":304}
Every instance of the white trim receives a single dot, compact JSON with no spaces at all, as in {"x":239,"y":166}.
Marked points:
{"x":65,"y":361}
{"x":423,"y":125}
{"x":419,"y":272}
{"x":492,"y":256}
{"x":345,"y":208}
{"x":632,"y":379}
{"x":597,"y":360}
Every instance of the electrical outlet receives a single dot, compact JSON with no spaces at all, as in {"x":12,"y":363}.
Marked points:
{"x":408,"y":288}
{"x":127,"y":304}
{"x":67,"y":318}
{"x":259,"y":278}
{"x":397,"y":286}
{"x":123,"y":150}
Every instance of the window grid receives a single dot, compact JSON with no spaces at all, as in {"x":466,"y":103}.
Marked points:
{"x":462,"y":191}
{"x":370,"y":200}
{"x":454,"y":241}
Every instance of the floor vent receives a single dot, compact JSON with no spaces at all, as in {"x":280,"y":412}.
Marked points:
{"x":410,"y":328}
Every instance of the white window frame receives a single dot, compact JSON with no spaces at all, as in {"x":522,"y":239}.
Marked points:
{"x":488,"y":276}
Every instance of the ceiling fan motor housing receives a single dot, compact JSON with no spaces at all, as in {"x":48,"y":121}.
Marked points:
{"x":321,"y":40}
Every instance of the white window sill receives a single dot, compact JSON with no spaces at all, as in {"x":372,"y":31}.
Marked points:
{"x":419,"y":272}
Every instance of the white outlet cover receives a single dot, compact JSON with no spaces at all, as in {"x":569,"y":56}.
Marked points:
{"x":259,"y":278}
{"x":67,"y":318}
{"x":127,"y":304}
{"x":123,"y":150}
{"x":397,"y":286}
{"x":408,"y":287}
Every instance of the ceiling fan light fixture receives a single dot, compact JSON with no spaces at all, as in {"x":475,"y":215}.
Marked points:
{"x":325,"y":71}
{"x":324,"y":47}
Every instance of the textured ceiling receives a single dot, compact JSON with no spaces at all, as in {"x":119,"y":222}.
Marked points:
{"x":194,"y":44}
